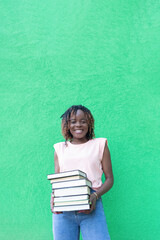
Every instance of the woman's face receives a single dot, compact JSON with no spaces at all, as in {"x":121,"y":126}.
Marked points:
{"x":78,"y":126}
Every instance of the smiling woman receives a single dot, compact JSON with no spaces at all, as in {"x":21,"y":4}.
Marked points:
{"x":77,"y":117}
{"x":91,"y":155}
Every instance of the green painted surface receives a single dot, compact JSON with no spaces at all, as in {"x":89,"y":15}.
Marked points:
{"x":104,"y":55}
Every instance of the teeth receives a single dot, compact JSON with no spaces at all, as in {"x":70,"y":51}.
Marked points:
{"x":78,"y":131}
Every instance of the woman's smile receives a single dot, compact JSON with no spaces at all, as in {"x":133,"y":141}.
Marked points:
{"x":78,"y":130}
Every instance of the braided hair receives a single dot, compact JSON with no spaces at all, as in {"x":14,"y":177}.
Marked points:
{"x":66,"y":117}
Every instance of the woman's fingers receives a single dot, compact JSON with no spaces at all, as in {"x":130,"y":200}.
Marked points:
{"x":93,"y":200}
{"x":52,"y":202}
{"x":84,"y":211}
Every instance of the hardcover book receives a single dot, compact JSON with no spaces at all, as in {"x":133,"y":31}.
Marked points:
{"x":71,"y":198}
{"x":73,"y":183}
{"x":66,"y":179}
{"x":71,"y":191}
{"x":66,"y":174}
{"x":71,"y":203}
{"x":72,"y":208}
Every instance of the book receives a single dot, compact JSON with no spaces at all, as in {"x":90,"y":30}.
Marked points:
{"x":73,"y":183}
{"x":71,"y":191}
{"x":71,"y":198}
{"x":66,"y":174}
{"x":71,"y":203}
{"x":71,"y":208}
{"x":66,"y":179}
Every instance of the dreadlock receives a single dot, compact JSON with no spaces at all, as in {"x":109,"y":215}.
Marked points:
{"x":66,"y":117}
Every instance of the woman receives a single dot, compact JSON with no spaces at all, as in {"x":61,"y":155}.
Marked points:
{"x":91,"y":155}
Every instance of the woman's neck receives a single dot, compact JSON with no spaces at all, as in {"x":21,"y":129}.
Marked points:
{"x":79,"y":141}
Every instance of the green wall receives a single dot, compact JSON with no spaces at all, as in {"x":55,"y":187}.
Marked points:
{"x":104,"y":55}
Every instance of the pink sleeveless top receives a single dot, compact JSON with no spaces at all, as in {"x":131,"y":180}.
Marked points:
{"x":86,"y":157}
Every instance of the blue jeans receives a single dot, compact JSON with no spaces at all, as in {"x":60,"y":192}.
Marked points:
{"x":93,"y":226}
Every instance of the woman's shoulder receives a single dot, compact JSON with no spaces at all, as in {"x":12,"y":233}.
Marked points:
{"x":101,"y":143}
{"x":58,"y":145}
{"x":100,"y":140}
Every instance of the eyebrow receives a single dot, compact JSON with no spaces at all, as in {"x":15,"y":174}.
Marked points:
{"x":75,"y":119}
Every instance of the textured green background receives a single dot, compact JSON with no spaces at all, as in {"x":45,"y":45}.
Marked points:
{"x":104,"y":55}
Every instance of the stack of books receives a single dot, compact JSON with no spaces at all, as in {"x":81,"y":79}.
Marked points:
{"x":71,"y":190}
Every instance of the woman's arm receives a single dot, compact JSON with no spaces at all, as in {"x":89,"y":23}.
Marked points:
{"x":107,"y":169}
{"x":56,"y":163}
{"x":106,"y":186}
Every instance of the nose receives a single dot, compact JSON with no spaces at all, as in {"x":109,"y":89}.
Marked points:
{"x":78,"y":123}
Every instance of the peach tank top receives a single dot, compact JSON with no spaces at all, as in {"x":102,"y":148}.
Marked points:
{"x":86,"y":157}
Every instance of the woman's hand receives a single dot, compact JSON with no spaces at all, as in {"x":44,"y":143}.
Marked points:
{"x":93,"y":199}
{"x":52,"y":204}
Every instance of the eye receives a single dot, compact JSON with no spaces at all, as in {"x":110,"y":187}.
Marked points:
{"x":83,"y":121}
{"x":72,"y":121}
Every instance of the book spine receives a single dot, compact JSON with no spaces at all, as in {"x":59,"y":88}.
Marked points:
{"x":65,"y":174}
{"x":71,"y":191}
{"x":72,"y":183}
{"x":72,"y":208}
